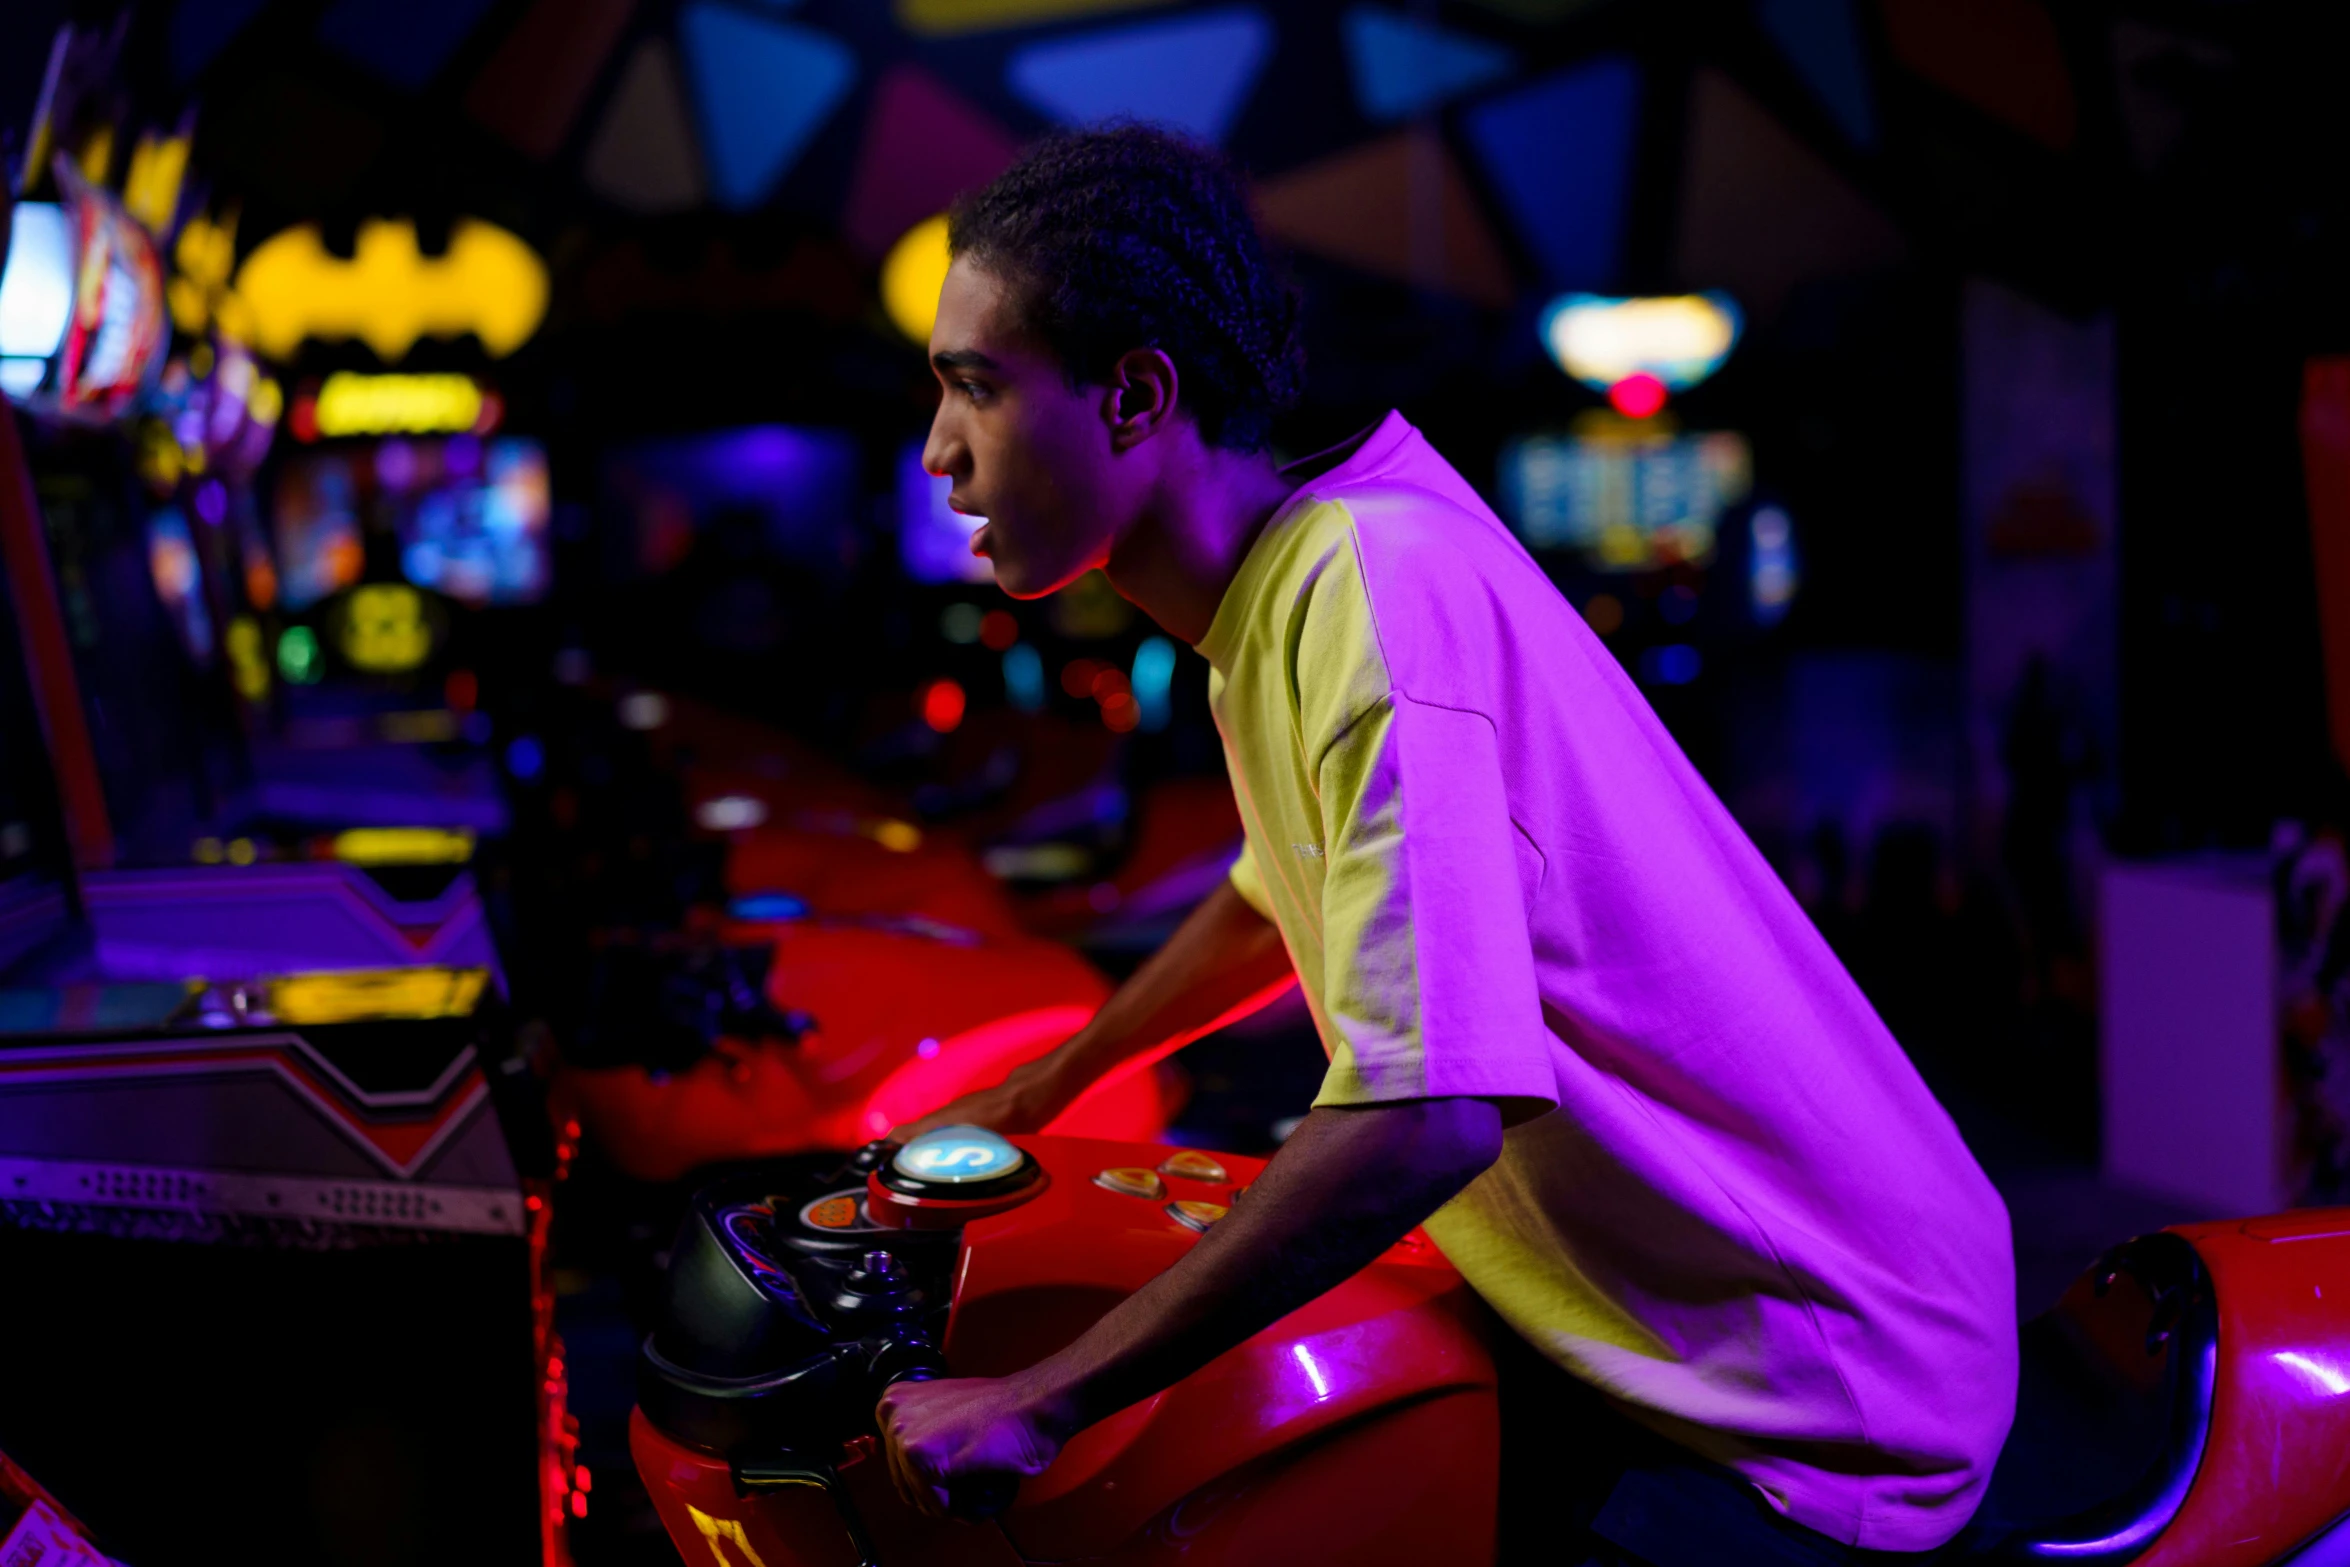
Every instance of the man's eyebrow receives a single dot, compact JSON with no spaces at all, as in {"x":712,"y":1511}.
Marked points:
{"x":963,"y":359}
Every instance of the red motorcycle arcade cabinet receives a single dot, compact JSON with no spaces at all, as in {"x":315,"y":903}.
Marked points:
{"x":2187,"y":1404}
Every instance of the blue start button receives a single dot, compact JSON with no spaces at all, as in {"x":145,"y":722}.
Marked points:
{"x":957,"y":1155}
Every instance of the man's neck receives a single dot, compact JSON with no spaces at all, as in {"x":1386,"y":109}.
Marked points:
{"x":1182,"y":553}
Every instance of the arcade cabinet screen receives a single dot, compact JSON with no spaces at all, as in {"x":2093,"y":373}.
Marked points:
{"x":469,"y":518}
{"x":934,"y":540}
{"x":1624,"y":495}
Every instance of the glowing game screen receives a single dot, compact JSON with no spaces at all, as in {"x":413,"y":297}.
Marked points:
{"x":468,"y":517}
{"x":1627,"y":496}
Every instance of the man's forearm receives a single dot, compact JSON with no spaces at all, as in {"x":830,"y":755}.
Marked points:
{"x":1349,"y":1184}
{"x":1221,"y":957}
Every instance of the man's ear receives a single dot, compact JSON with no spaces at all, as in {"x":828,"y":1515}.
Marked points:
{"x":1140,"y":397}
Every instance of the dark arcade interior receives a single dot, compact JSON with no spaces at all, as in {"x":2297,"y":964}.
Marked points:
{"x":498,"y":730}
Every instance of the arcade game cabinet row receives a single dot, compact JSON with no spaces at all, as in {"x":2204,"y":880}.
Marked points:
{"x":274,"y":1183}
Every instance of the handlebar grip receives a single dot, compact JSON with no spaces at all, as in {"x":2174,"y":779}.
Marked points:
{"x":913,"y":1358}
{"x":982,"y":1497}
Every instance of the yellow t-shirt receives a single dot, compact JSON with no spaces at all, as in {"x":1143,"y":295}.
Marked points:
{"x":1724,"y":1197}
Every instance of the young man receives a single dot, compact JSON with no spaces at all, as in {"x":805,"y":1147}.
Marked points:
{"x":1576,"y":1026}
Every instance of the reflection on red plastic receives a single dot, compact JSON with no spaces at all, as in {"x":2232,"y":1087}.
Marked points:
{"x":942,"y":705}
{"x":1637,"y":396}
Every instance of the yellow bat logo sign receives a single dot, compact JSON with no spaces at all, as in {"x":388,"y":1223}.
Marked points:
{"x":389,"y":293}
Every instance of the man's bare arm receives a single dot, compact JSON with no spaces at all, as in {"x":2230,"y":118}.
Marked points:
{"x":1349,"y":1184}
{"x":1220,"y":957}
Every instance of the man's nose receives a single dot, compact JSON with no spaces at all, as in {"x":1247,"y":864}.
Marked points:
{"x":941,"y":452}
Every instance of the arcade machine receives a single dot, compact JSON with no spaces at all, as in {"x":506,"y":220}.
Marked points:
{"x":150,"y":757}
{"x":316,"y":1201}
{"x":2157,"y":1395}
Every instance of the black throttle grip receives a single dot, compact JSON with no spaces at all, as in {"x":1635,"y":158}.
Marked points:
{"x":910,"y":1357}
{"x":982,"y":1497}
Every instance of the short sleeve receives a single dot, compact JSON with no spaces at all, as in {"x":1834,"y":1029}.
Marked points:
{"x":1248,"y":883}
{"x":1429,"y":979}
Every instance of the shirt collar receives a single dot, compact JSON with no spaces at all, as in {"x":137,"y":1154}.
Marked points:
{"x":1355,"y":458}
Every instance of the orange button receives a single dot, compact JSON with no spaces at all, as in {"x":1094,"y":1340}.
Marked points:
{"x":1194,"y":1167}
{"x":1196,"y":1215}
{"x":1129,"y":1181}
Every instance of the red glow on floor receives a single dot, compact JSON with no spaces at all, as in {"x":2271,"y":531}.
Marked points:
{"x":1637,"y":396}
{"x":942,"y":705}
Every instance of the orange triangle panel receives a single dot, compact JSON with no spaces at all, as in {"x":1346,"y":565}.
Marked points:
{"x":1396,"y":207}
{"x":1761,"y":212}
{"x":2002,"y":56}
{"x":643,"y":156}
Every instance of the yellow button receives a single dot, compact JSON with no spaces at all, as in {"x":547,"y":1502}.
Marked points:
{"x":1194,"y":1167}
{"x":1196,"y":1215}
{"x":1127,"y":1181}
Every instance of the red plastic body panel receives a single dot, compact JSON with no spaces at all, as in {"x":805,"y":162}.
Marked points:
{"x":1406,"y":1333}
{"x":838,"y":866}
{"x":1183,"y":825}
{"x":710,"y":1521}
{"x":905,"y":1023}
{"x":1361,"y":1428}
{"x":2277,"y":1466}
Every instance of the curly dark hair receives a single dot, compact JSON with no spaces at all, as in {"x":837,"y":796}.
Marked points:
{"x":1128,"y":237}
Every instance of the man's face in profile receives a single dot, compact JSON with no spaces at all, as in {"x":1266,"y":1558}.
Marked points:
{"x":1025,"y":451}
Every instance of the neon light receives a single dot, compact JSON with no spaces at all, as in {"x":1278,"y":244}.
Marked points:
{"x":297,"y":656}
{"x":404,"y":845}
{"x":644,"y":710}
{"x":526,"y":758}
{"x":912,"y":275}
{"x":384,"y":630}
{"x":942,"y":705}
{"x":961,"y":624}
{"x":1772,"y":574}
{"x":1637,"y":396}
{"x":1679,"y":339}
{"x":36,"y":284}
{"x":767,"y":907}
{"x":1024,"y":678}
{"x":730,"y":813}
{"x":352,"y":404}
{"x":489,"y":284}
{"x":349,"y":995}
{"x":1154,"y":682}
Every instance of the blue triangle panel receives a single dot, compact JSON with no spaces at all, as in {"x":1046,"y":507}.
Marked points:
{"x":1822,"y":42}
{"x":1559,"y":154}
{"x":406,"y":42}
{"x":1403,"y":66}
{"x":200,"y":29}
{"x":1191,"y":74}
{"x":764,"y":89}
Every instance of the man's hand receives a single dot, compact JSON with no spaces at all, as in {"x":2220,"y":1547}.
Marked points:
{"x":1346,"y":1186}
{"x":1022,"y":1102}
{"x":1222,"y":961}
{"x":939,"y":1434}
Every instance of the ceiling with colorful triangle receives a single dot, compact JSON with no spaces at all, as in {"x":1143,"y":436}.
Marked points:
{"x":1474,"y":155}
